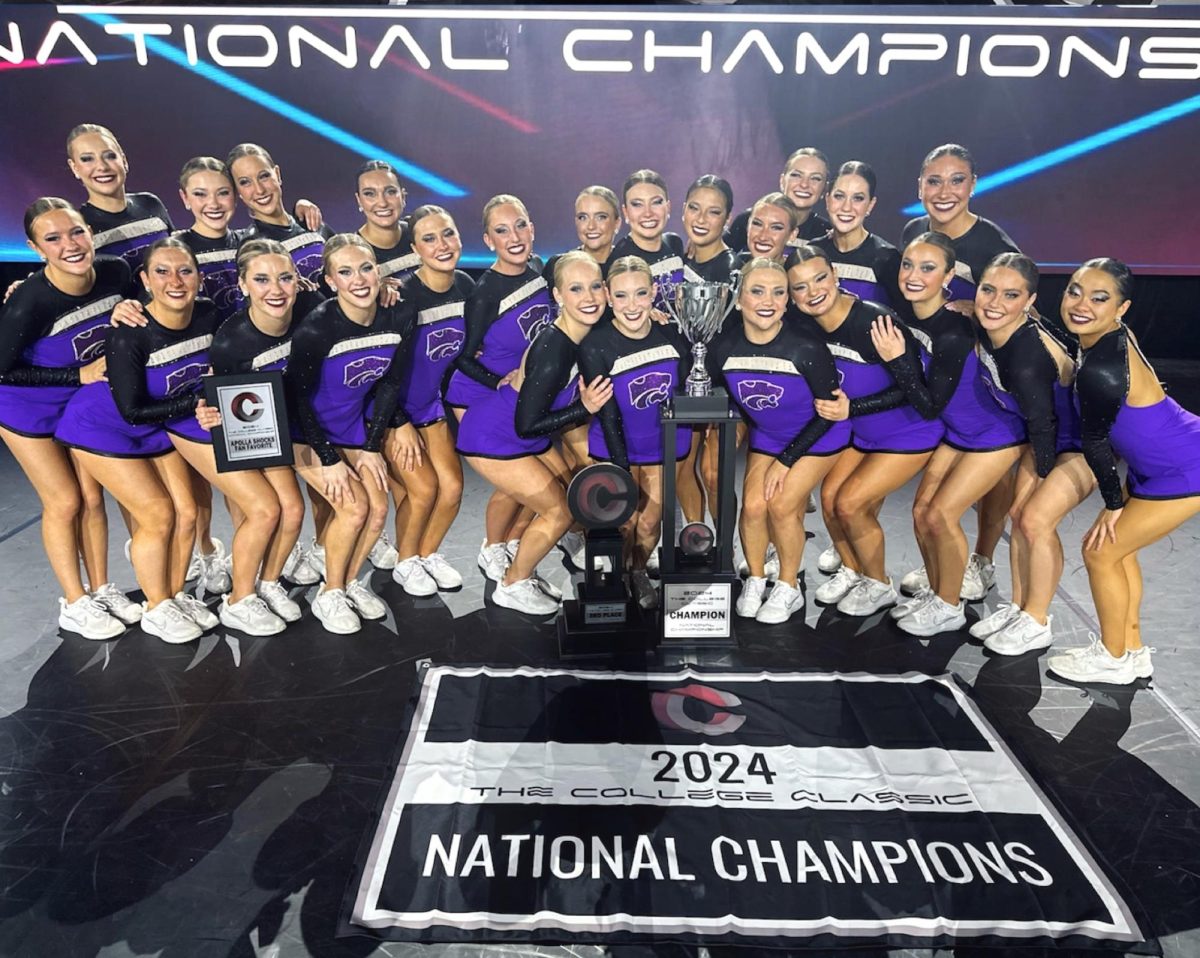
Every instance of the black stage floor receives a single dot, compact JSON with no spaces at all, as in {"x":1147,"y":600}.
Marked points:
{"x":210,"y":799}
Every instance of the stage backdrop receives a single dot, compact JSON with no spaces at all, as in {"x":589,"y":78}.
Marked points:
{"x":1083,"y":121}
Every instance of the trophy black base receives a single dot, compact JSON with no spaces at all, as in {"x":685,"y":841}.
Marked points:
{"x":702,"y":409}
{"x":603,"y":629}
{"x":697,"y":607}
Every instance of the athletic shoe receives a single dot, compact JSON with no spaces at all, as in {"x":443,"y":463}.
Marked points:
{"x":383,"y":554}
{"x":771,"y":565}
{"x":316,"y":557}
{"x":250,"y":615}
{"x":644,"y":590}
{"x":87,"y":617}
{"x":991,"y":624}
{"x":118,"y":604}
{"x":1094,"y":664}
{"x":524,"y":595}
{"x":652,"y":563}
{"x":196,"y":610}
{"x":170,"y":623}
{"x":278,"y":600}
{"x":811,"y":506}
{"x":297,"y":568}
{"x":332,"y":609}
{"x":868,"y":596}
{"x":215,"y":577}
{"x":910,"y":604}
{"x":751,"y":599}
{"x":1141,"y":661}
{"x":195,"y":567}
{"x":493,"y":560}
{"x":511,"y":547}
{"x":441,"y":571}
{"x":915,"y":581}
{"x":411,"y":576}
{"x":365,"y":602}
{"x":783,"y":602}
{"x":978,"y":577}
{"x":933,"y":618}
{"x":572,"y":543}
{"x":829,"y":561}
{"x":1022,"y":634}
{"x":833,"y":591}
{"x":548,"y":587}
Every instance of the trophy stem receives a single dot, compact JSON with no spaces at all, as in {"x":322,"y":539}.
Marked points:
{"x":699,"y":383}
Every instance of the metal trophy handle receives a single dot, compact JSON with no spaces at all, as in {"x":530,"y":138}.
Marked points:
{"x":700,"y":310}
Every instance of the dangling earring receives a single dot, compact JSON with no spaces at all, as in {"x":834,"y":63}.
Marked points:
{"x":946,"y":291}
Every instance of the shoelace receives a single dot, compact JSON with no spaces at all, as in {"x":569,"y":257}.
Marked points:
{"x":338,"y":599}
{"x":175,"y":614}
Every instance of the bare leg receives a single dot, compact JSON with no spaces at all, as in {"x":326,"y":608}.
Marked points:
{"x":377,"y":512}
{"x":860,"y":498}
{"x":346,"y":521}
{"x":93,"y":527}
{"x":993,"y":515}
{"x":785,"y":512}
{"x":291,"y":518}
{"x":439,"y":447}
{"x":944,"y":459}
{"x":846,"y":463}
{"x":176,"y":478}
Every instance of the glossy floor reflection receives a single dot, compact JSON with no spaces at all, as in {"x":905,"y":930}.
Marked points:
{"x":209,"y":800}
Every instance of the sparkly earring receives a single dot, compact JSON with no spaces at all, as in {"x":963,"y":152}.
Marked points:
{"x":946,"y":291}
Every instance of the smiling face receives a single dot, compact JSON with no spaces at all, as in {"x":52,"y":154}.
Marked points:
{"x":99,"y":164}
{"x":269,"y":283}
{"x":631,"y":296}
{"x":209,"y":197}
{"x":1092,"y":304}
{"x":381,"y":198}
{"x":923,"y":273}
{"x":596,"y":223}
{"x":850,"y":202}
{"x":704,"y":216}
{"x":435,"y":239}
{"x":763,"y":299}
{"x":353,"y":277}
{"x":804,"y":182}
{"x":647,"y":210}
{"x":259,"y":186}
{"x":813,"y":286}
{"x":768,"y":231}
{"x":581,"y":293}
{"x":945,"y":189}
{"x":1002,"y":300}
{"x":509,"y":235}
{"x":64,"y":241}
{"x":172,"y":279}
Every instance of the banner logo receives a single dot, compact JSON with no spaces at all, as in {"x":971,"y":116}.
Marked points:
{"x":668,"y":708}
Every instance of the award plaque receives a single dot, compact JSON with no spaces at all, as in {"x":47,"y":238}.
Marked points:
{"x":254,"y":425}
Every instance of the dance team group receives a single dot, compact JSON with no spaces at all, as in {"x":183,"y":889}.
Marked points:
{"x":857,"y":366}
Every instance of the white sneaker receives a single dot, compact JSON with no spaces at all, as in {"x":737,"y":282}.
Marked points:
{"x":87,"y":617}
{"x":118,"y":604}
{"x":278,"y":600}
{"x":978,"y":578}
{"x":250,"y":615}
{"x":910,"y":605}
{"x":493,"y":560}
{"x":833,"y":591}
{"x":511,"y":547}
{"x":652,"y":563}
{"x":991,"y":624}
{"x":333,"y":611}
{"x":751,"y":599}
{"x":383,"y":554}
{"x":643,"y":589}
{"x":811,"y":506}
{"x":829,"y":561}
{"x":915,"y":581}
{"x":1023,"y":633}
{"x":411,"y":576}
{"x":170,"y":623}
{"x":1094,"y":664}
{"x":365,"y":602}
{"x":196,"y":610}
{"x":771,"y":565}
{"x":783,"y":602}
{"x":934,"y":617}
{"x":868,"y":596}
{"x":297,"y":568}
{"x":315,"y":555}
{"x":1141,"y":661}
{"x":546,"y":586}
{"x":195,"y":567}
{"x":216,"y":578}
{"x":572,"y":543}
{"x":524,"y":596}
{"x":441,"y":571}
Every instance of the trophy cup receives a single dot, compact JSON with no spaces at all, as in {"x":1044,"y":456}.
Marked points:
{"x":697,"y":572}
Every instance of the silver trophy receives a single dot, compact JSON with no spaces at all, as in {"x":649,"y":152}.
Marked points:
{"x":699,"y":310}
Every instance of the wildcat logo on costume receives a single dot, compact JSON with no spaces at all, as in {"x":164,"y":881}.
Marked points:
{"x":534,"y":320}
{"x":758,"y":394}
{"x":89,"y":344}
{"x":668,"y":708}
{"x":185,"y":377}
{"x":444,"y":343}
{"x":650,"y":389}
{"x":362,"y":372}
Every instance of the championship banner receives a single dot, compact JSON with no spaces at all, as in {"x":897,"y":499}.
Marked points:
{"x":778,"y":809}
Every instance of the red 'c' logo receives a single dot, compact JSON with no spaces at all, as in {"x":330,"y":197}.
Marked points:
{"x":247,"y":406}
{"x":668,"y":709}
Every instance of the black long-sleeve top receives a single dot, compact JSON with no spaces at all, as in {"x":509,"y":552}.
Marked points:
{"x":1102,"y":384}
{"x":951,"y":337}
{"x":1026,"y":372}
{"x":550,"y":369}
